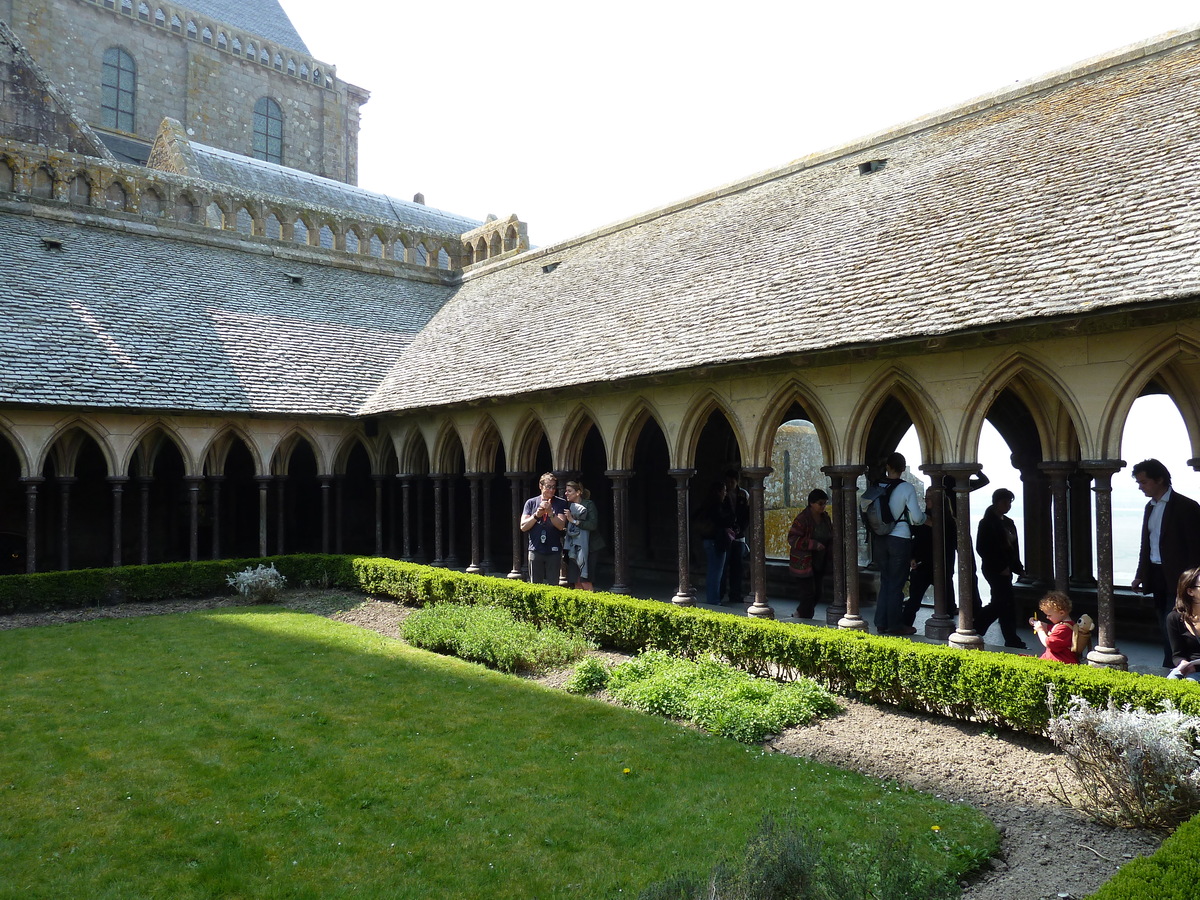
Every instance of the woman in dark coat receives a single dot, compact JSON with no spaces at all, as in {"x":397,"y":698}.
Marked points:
{"x":810,"y":538}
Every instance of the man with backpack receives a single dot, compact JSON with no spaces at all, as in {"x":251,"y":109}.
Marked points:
{"x":891,"y":509}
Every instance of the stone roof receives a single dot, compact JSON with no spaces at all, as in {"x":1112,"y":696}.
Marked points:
{"x":125,"y":317}
{"x":265,"y":18}
{"x":1071,"y":195}
{"x":245,"y":173}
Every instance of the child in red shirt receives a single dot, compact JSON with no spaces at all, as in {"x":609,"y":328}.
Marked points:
{"x":1059,"y":636}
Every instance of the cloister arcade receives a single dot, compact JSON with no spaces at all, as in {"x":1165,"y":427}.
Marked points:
{"x":101,"y":488}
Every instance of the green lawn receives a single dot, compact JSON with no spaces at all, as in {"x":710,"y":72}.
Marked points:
{"x":259,"y":753}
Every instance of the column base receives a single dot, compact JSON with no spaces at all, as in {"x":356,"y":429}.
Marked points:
{"x":965,"y":640}
{"x":1108,"y":658}
{"x":834,"y":615}
{"x":853,"y":623}
{"x":939,"y":627}
{"x":515,"y":575}
{"x":761,"y":610}
{"x":619,"y":589}
{"x":474,"y":570}
{"x":682,"y":599}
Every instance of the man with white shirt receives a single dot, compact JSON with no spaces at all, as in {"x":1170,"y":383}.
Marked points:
{"x":893,"y":551}
{"x":1170,"y":542}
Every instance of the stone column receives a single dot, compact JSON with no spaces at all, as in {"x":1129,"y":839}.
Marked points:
{"x":1105,"y":653}
{"x":339,"y":517}
{"x":215,"y":481}
{"x":31,"y":521}
{"x":475,"y":482}
{"x":264,"y":484}
{"x":519,"y":541}
{"x":280,"y":514}
{"x":847,"y":523}
{"x":406,"y":482}
{"x":620,"y":482}
{"x":378,"y":479}
{"x":1057,"y":471}
{"x":64,"y":520}
{"x":1080,"y":523}
{"x":392,"y":548}
{"x":486,"y":565}
{"x":439,"y":519}
{"x":325,"y":511}
{"x":940,"y":625}
{"x":837,"y":553}
{"x":143,"y":483}
{"x":118,"y":489}
{"x":760,"y":608}
{"x":1037,"y":543}
{"x":193,"y":483}
{"x":684,"y":596}
{"x":965,"y":637}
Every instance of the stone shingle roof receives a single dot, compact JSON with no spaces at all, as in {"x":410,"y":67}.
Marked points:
{"x":223,"y":167}
{"x":1073,"y":195}
{"x":265,"y":18}
{"x":119,"y":319}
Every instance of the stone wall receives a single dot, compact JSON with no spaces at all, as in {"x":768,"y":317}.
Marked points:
{"x":199,"y":72}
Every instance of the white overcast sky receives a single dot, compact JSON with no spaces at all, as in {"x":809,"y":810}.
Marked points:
{"x":575,"y":115}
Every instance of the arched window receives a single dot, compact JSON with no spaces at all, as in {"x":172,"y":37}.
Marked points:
{"x":118,"y":90}
{"x":268,"y":131}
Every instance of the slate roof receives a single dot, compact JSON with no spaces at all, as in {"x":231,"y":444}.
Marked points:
{"x":250,"y":174}
{"x":124,"y":320}
{"x":265,"y":18}
{"x":1072,"y":195}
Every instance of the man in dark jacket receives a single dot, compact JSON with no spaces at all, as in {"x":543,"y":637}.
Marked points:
{"x":1000,"y":554}
{"x":1170,"y":542}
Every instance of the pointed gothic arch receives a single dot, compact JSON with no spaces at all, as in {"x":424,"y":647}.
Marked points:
{"x":629,"y":428}
{"x":873,"y":426}
{"x":1173,"y":366}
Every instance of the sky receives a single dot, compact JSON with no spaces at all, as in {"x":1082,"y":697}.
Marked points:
{"x":574,"y":116}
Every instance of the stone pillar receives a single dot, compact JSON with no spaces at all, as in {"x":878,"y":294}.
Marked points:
{"x":940,"y":625}
{"x":325,"y":504}
{"x":31,"y":521}
{"x":1057,"y":472}
{"x":406,"y":482}
{"x":760,"y":608}
{"x":965,"y":637}
{"x":64,"y":520}
{"x":193,"y":483}
{"x":215,"y":482}
{"x":439,"y":519}
{"x":264,"y":484}
{"x":519,"y":541}
{"x":486,"y":565}
{"x":620,"y":482}
{"x":847,"y":523}
{"x":1037,"y":544}
{"x":475,"y":482}
{"x":452,"y":557}
{"x":837,"y":553}
{"x":378,"y":479}
{"x":684,"y":596}
{"x":144,"y":517}
{"x":118,"y":489}
{"x":1105,"y":653}
{"x":280,"y":514}
{"x":1080,"y":523}
{"x":339,"y":510}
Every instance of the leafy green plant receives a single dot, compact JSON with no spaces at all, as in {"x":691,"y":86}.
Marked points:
{"x":1167,"y":874}
{"x":588,"y":677}
{"x":261,"y":584}
{"x":491,"y":636}
{"x":717,"y":697}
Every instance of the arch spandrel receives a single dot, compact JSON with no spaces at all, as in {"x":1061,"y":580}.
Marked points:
{"x":64,"y":446}
{"x":774,"y":412}
{"x":484,"y":441}
{"x":148,"y":437}
{"x":1050,"y":403}
{"x":629,"y":429}
{"x":346,"y":445}
{"x":574,"y":432}
{"x":413,"y":453}
{"x":899,"y":385}
{"x":1173,"y":363}
{"x":215,"y":452}
{"x":700,"y":409}
{"x":449,"y":451}
{"x":526,"y":436}
{"x":283,"y":450}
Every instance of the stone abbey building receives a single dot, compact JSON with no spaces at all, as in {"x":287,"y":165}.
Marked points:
{"x":215,"y":345}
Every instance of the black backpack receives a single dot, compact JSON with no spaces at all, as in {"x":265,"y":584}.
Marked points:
{"x":877,"y":514}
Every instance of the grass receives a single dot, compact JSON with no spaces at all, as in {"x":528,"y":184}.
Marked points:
{"x":256,"y":752}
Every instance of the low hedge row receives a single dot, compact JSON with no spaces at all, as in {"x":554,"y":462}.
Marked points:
{"x":1171,"y":873}
{"x":1002,"y":689}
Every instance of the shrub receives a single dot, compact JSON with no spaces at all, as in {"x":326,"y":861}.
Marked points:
{"x":588,"y":677}
{"x":1133,"y":767}
{"x":261,"y":584}
{"x":717,"y":697}
{"x":491,"y":636}
{"x":1169,"y":874}
{"x":785,"y":861}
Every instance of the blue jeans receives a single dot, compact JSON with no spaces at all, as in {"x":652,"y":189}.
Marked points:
{"x":715,"y":560}
{"x":892,"y":555}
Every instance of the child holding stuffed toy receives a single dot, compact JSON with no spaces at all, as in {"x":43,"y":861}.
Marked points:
{"x":1057,"y":636}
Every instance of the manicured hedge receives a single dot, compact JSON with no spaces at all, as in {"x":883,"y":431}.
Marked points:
{"x":1172,"y":873}
{"x":1003,"y":689}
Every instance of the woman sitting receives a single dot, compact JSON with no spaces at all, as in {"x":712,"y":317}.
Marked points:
{"x":1182,"y":629}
